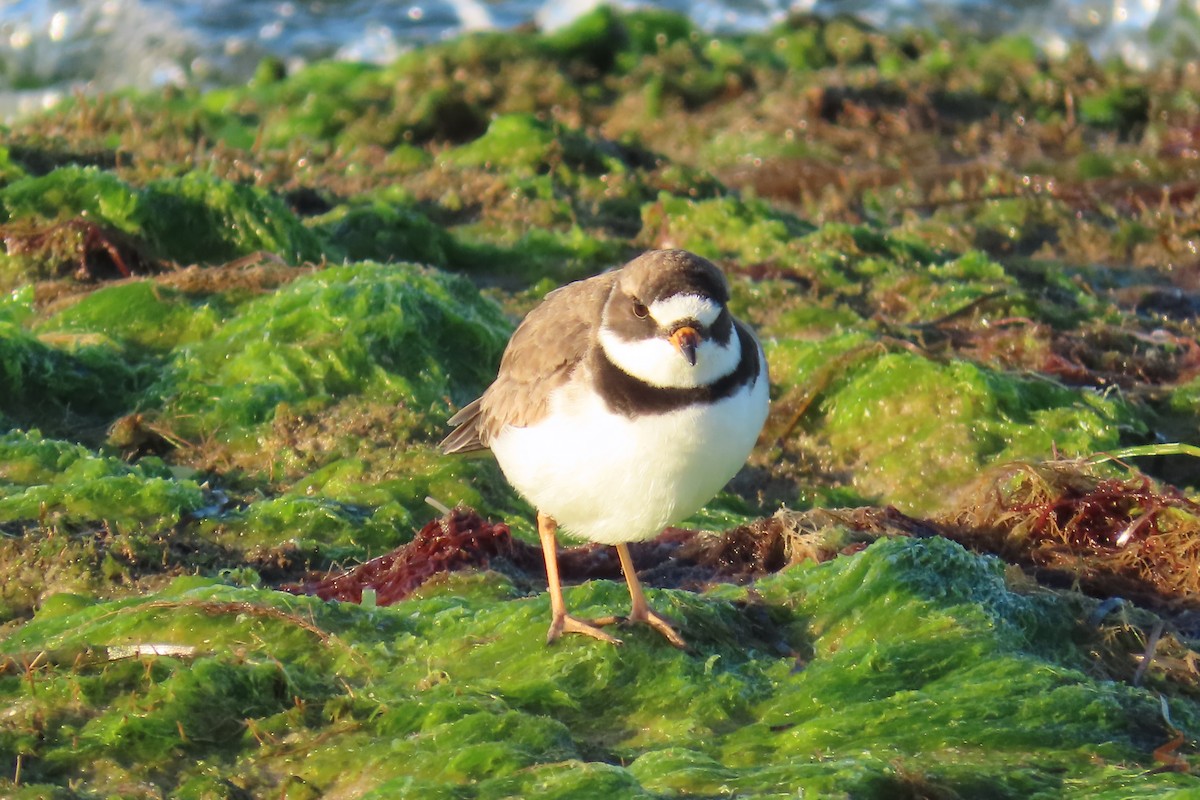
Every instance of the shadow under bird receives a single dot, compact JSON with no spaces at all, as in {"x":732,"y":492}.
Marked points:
{"x":623,"y":404}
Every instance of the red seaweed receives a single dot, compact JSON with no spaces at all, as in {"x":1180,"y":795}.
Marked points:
{"x":460,"y":540}
{"x":676,"y":558}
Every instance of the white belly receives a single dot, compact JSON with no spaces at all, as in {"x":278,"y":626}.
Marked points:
{"x":611,"y":479}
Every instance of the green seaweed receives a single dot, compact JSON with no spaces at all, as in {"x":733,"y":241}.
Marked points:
{"x":68,"y":377}
{"x":531,"y":255}
{"x":523,"y":144}
{"x":9,"y":170}
{"x":190,"y":219}
{"x":957,"y":253}
{"x":941,"y":676}
{"x":357,"y":508}
{"x":595,"y":38}
{"x":73,"y":191}
{"x":51,"y":481}
{"x":1121,"y":107}
{"x":799,"y":48}
{"x":141,"y":314}
{"x":916,"y":429}
{"x":747,"y":231}
{"x":382,"y":231}
{"x":197,"y":218}
{"x":394,"y":334}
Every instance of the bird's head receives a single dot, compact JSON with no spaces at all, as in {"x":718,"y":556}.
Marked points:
{"x":666,"y":322}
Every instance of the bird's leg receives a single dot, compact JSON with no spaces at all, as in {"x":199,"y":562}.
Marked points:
{"x":560,"y":621}
{"x":641,"y":611}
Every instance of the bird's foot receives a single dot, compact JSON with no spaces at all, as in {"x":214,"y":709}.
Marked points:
{"x":650,"y":617}
{"x":588,"y":627}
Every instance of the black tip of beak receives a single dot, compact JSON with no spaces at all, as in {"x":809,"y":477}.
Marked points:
{"x":686,"y":340}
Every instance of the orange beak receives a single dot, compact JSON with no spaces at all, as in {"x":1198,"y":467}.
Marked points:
{"x":686,"y":340}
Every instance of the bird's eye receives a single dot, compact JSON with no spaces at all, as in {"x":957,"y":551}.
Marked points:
{"x":639,"y":309}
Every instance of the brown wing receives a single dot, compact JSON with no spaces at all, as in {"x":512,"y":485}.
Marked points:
{"x":465,"y":436}
{"x":545,"y":348}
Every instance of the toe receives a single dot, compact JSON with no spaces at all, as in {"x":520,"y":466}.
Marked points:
{"x":660,"y":624}
{"x":569,"y":624}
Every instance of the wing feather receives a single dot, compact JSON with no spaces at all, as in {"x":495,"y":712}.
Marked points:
{"x":465,"y":436}
{"x":543,"y":352}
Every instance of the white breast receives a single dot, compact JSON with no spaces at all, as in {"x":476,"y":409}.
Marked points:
{"x":611,"y":478}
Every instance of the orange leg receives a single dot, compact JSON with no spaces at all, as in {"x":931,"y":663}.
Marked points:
{"x":560,"y":621}
{"x":641,"y":611}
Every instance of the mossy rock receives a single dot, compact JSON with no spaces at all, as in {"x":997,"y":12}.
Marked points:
{"x":919,"y":666}
{"x":142,"y":315}
{"x":957,"y":254}
{"x":913,"y":430}
{"x":53,"y":481}
{"x":66,"y":214}
{"x":52,"y":379}
{"x":397,"y":334}
{"x":524,"y":144}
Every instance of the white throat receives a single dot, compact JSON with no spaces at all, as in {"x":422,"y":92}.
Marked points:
{"x":657,"y":362}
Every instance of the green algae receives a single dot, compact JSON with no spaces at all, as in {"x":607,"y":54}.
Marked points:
{"x":197,"y":218}
{"x":931,"y":233}
{"x":523,"y":144}
{"x":66,"y":379}
{"x":82,"y":191}
{"x":940,"y":673}
{"x":531,"y":255}
{"x":355,"y":508}
{"x":322,"y":100}
{"x":1123,"y":108}
{"x":313,"y":390}
{"x":216,"y":696}
{"x":9,"y":171}
{"x":55,"y":481}
{"x":724,"y":228}
{"x":316,"y":524}
{"x":142,"y":314}
{"x":858,"y":269}
{"x":190,"y":219}
{"x":871,"y":418}
{"x":387,"y":232}
{"x":16,"y":307}
{"x":394,"y":334}
{"x":80,"y":521}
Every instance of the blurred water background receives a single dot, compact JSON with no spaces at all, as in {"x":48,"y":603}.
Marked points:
{"x":49,"y":48}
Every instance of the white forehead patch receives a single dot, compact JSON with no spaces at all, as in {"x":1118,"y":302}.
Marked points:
{"x":679,"y":307}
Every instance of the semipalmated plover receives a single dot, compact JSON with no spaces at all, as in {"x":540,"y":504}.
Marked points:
{"x":623,"y":404}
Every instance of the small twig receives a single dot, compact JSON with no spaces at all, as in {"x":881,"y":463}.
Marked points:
{"x":441,"y":507}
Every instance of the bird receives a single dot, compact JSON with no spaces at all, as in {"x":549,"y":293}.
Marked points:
{"x":623,"y":403}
